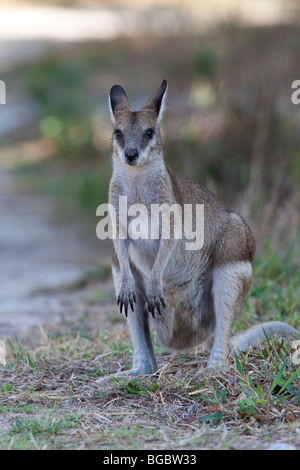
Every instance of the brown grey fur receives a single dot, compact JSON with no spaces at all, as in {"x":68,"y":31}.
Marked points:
{"x":194,"y":296}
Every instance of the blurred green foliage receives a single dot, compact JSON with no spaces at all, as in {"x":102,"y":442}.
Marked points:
{"x":205,"y":62}
{"x":65,"y":111}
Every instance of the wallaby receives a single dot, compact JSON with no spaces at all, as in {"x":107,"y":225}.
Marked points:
{"x":193,"y":296}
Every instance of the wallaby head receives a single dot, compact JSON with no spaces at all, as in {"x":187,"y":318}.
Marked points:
{"x":136,"y":137}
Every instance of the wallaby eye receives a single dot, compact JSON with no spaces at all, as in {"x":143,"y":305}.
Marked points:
{"x":149,"y":133}
{"x":118,"y":133}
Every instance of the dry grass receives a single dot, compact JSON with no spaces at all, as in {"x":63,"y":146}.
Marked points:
{"x":51,"y":397}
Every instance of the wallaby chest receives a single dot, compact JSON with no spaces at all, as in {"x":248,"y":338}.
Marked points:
{"x":140,"y":191}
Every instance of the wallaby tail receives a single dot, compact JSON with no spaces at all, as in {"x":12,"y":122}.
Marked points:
{"x":253,"y":335}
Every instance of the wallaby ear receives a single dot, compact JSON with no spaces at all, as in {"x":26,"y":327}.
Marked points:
{"x":118,"y":101}
{"x":157,"y":102}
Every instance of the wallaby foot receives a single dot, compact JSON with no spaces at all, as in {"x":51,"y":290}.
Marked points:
{"x":135,"y":372}
{"x":125,"y":374}
{"x":209,"y":371}
{"x":213,"y":368}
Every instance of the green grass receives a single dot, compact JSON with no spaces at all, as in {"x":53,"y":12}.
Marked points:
{"x":42,"y":432}
{"x":21,"y":407}
{"x":50,"y":425}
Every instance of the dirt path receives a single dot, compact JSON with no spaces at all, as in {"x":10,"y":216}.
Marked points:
{"x":40,"y":253}
{"x":48,"y":22}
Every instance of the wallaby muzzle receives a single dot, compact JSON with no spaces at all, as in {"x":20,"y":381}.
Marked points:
{"x":131,"y":155}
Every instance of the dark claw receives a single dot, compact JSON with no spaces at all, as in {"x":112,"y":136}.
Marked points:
{"x":156,"y":304}
{"x":150,"y":306}
{"x":124,"y":301}
{"x":151,"y":310}
{"x":120,"y":302}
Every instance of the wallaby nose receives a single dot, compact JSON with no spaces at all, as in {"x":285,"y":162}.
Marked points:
{"x":131,"y":155}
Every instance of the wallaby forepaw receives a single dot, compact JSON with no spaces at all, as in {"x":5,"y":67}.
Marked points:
{"x":126,"y":298}
{"x":156,"y":301}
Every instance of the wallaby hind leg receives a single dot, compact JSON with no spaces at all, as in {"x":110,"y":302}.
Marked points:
{"x":144,"y":361}
{"x":231,"y":283}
